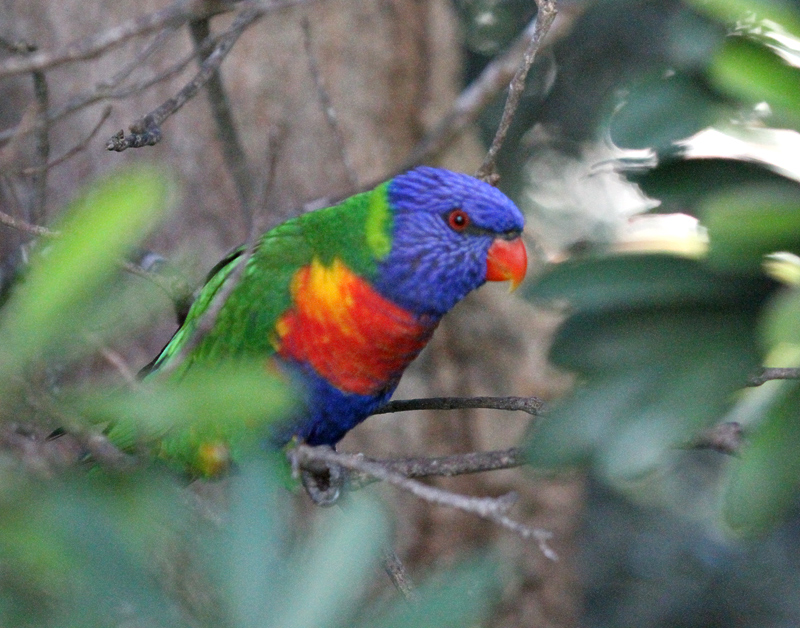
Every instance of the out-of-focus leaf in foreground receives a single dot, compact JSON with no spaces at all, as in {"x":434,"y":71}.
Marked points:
{"x":232,"y":403}
{"x":140,"y":549}
{"x":748,"y":222}
{"x":81,"y":551}
{"x":747,"y":70}
{"x":762,"y":484}
{"x":661,"y":343}
{"x":68,"y":272}
{"x":682,"y":183}
{"x":273,"y":576}
{"x":660,"y":111}
{"x":758,"y":13}
{"x":461,"y":596}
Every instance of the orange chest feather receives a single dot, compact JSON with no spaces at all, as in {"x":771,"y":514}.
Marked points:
{"x":352,"y":336}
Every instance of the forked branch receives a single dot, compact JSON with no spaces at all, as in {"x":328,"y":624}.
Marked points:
{"x":492,"y":509}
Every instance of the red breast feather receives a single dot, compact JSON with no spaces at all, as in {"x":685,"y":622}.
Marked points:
{"x":352,"y":336}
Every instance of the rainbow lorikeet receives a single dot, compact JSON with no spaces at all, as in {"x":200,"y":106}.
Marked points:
{"x":345,"y":297}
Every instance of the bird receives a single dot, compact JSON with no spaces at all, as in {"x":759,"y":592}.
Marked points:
{"x":343,"y":298}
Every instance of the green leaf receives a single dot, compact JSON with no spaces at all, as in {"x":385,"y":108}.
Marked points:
{"x":97,"y":230}
{"x":85,"y":546}
{"x":760,"y":13}
{"x":660,"y":111}
{"x":763,"y":484}
{"x":681,"y":183}
{"x":746,"y":223}
{"x":661,"y":344}
{"x":232,"y":403}
{"x":250,"y":556}
{"x":576,"y":427}
{"x":328,"y":575}
{"x":752,"y":72}
{"x":653,"y":379}
{"x":781,"y":322}
{"x":648,"y":280}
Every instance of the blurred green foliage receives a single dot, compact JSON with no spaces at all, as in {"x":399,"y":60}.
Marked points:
{"x":661,"y":343}
{"x":131,"y":549}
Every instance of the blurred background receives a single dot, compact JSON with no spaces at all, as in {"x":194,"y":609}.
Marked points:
{"x":640,"y":126}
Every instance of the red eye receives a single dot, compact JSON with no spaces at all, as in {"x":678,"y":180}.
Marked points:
{"x":458,"y":220}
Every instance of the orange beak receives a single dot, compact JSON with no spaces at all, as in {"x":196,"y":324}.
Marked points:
{"x":507,"y":260}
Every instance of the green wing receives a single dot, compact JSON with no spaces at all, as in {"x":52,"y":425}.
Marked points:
{"x":357,"y":231}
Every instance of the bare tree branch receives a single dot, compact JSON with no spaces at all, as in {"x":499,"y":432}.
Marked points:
{"x":22,"y":225}
{"x":232,"y":150}
{"x":532,"y":405}
{"x":399,"y":576}
{"x":725,"y":438}
{"x":147,"y":131}
{"x":175,"y":14}
{"x":327,"y":107}
{"x":483,"y":90}
{"x":139,"y":59}
{"x":42,"y":152}
{"x":458,"y":464}
{"x":768,"y":374}
{"x":489,"y":508}
{"x":444,"y":466}
{"x":75,"y":149}
{"x":544,"y":19}
{"x":105,"y":90}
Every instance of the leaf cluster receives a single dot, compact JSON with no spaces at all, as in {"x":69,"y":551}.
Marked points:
{"x":664,"y":344}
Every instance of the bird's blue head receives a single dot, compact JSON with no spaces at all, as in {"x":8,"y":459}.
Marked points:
{"x":451,"y":233}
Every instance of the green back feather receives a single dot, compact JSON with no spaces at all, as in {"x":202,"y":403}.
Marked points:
{"x":357,"y":231}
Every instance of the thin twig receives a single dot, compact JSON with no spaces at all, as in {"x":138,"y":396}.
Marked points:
{"x":327,"y":107}
{"x":771,"y":373}
{"x":544,"y":19}
{"x":105,"y":90}
{"x":489,"y":508}
{"x":22,"y":225}
{"x":480,"y":93}
{"x":147,"y":130}
{"x":75,"y":149}
{"x":725,"y":438}
{"x":274,"y":142}
{"x":42,"y":141}
{"x":399,"y":575}
{"x":232,"y":150}
{"x":532,"y":405}
{"x":139,"y":59}
{"x":458,"y":464}
{"x":174,"y":15}
{"x":17,"y":46}
{"x":444,"y":466}
{"x":114,"y":359}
